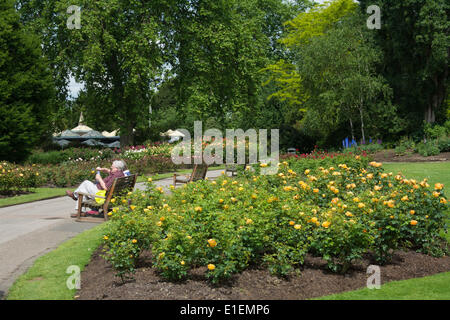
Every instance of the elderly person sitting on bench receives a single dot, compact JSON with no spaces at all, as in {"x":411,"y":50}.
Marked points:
{"x":88,"y":187}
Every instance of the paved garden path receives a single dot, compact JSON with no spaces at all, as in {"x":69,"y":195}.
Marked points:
{"x":28,"y":231}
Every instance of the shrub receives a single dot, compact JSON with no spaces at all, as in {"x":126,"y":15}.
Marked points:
{"x":406,"y":144}
{"x":130,"y":229}
{"x":430,"y":148}
{"x":364,"y":149}
{"x":338,"y":211}
{"x":435,"y":131}
{"x":18,"y":178}
{"x":444,"y":144}
{"x":138,"y":152}
{"x":71,"y":154}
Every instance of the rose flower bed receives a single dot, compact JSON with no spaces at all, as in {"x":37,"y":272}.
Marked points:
{"x":15,"y":178}
{"x":338,"y":213}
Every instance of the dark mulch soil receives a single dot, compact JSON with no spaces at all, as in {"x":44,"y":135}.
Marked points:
{"x":98,"y":281}
{"x":390,"y":156}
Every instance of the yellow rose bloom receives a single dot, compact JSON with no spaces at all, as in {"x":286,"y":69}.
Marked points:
{"x":438,"y":186}
{"x":211,"y":267}
{"x":212,"y":243}
{"x":326,"y":224}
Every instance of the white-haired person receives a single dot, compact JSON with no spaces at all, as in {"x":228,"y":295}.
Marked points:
{"x":89,"y":187}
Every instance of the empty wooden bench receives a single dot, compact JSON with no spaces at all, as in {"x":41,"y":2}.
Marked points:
{"x":198,"y":173}
{"x":119,"y":187}
{"x":233,"y":168}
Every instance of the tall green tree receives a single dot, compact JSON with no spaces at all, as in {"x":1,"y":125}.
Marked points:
{"x":220,"y":48}
{"x":298,"y":33}
{"x":26,"y":88}
{"x":339,"y":71}
{"x":415,"y":39}
{"x":333,"y":78}
{"x":116,"y":53}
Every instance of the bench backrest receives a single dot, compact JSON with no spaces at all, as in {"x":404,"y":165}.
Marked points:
{"x":121,"y":185}
{"x":199,"y":172}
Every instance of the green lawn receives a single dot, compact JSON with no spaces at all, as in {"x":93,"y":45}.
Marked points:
{"x":434,"y":171}
{"x":38,"y":194}
{"x":436,"y":287}
{"x":46,"y":279}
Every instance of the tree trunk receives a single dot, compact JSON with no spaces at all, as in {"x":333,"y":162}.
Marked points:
{"x":438,"y":96}
{"x":429,"y":113}
{"x":362,"y":124}
{"x":351,"y":128}
{"x":126,"y":134}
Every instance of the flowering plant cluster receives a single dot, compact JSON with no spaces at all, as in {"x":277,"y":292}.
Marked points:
{"x":18,"y":178}
{"x":138,"y":152}
{"x":338,"y":212}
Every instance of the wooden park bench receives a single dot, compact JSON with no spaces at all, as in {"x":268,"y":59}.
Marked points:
{"x":232,"y":168}
{"x":198,"y":173}
{"x":119,"y":187}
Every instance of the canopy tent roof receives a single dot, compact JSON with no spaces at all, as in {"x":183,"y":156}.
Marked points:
{"x":87,"y":136}
{"x":93,"y":134}
{"x":110,"y":134}
{"x":92,"y":142}
{"x":69,"y":134}
{"x":62,"y":142}
{"x":81,"y":128}
{"x":171,"y":133}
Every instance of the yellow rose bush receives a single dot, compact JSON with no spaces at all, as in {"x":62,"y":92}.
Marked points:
{"x":337,"y":209}
{"x":18,"y":178}
{"x":132,"y":228}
